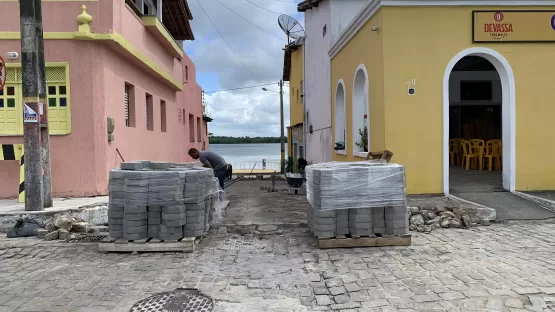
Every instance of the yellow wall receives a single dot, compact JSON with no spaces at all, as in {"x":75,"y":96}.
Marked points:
{"x":365,"y":48}
{"x":413,"y":125}
{"x":295,"y":108}
{"x":57,"y":100}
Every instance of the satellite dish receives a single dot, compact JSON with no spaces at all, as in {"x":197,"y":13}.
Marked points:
{"x":290,"y":27}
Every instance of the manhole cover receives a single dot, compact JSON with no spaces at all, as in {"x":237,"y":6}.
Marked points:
{"x":179,"y":300}
{"x":86,"y":239}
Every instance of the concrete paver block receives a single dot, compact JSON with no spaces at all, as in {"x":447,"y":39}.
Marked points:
{"x":131,"y":165}
{"x":171,"y":229}
{"x":134,"y":223}
{"x":396,"y":210}
{"x":173,"y":216}
{"x":135,"y":236}
{"x":135,"y":216}
{"x":135,"y":229}
{"x":173,"y":223}
{"x":360,"y":218}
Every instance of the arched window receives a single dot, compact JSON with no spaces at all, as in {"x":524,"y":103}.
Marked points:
{"x":361,"y":116}
{"x":340,"y":133}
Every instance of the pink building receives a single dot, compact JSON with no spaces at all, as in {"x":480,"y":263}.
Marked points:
{"x":118,"y":59}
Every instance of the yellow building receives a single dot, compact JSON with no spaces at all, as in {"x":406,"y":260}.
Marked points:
{"x":419,"y":74}
{"x":293,"y":73}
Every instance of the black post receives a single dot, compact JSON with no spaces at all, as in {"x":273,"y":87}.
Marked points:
{"x":44,"y":131}
{"x":31,"y":125}
{"x":282,"y":127}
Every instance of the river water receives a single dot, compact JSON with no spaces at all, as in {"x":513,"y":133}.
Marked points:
{"x":240,"y":153}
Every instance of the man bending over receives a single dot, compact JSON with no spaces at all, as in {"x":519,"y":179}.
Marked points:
{"x":211,"y":160}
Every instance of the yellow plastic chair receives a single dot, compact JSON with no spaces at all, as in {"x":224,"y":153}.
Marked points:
{"x":496,"y":141}
{"x":468,"y":154}
{"x":493,"y":152}
{"x":478,"y":146}
{"x":458,"y":148}
{"x":454,"y":154}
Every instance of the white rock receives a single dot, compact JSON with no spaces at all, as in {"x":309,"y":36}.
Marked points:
{"x":417,"y":220}
{"x":51,"y":236}
{"x":63,"y":222}
{"x":63,"y":234}
{"x":80,"y":227}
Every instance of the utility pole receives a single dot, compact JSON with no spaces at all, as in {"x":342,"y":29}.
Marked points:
{"x":31,"y":126}
{"x":282,"y":138}
{"x":44,"y":131}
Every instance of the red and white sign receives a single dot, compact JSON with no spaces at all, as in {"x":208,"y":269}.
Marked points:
{"x":2,"y":73}
{"x":498,"y":17}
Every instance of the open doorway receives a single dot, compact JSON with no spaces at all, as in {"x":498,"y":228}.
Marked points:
{"x":475,"y":127}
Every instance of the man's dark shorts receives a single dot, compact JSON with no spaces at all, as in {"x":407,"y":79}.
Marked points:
{"x":220,"y":174}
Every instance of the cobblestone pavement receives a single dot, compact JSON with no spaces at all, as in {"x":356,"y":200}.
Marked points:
{"x":507,"y":267}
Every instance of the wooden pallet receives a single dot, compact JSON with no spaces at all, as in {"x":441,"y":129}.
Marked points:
{"x":186,"y":244}
{"x":364,"y":241}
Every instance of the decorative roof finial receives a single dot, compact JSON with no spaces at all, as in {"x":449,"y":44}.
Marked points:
{"x":84,"y":20}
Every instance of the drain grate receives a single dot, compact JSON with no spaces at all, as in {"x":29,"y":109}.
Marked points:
{"x":179,"y":300}
{"x":86,"y":239}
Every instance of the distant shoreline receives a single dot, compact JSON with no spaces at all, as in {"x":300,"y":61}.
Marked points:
{"x":243,"y":140}
{"x":212,"y":143}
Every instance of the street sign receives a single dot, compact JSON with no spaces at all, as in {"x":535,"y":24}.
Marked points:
{"x":2,"y":73}
{"x":29,"y":115}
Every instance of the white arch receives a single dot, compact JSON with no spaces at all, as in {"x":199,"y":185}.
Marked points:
{"x":340,"y":116}
{"x":356,"y":113}
{"x":508,"y":113}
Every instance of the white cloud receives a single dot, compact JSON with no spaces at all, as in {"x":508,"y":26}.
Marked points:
{"x":244,"y":112}
{"x":248,"y":113}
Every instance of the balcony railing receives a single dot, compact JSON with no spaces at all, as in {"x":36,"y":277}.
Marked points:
{"x":263,"y":164}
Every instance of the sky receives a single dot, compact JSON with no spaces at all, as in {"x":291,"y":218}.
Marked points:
{"x":255,"y":58}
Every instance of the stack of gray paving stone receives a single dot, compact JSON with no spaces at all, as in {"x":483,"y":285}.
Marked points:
{"x":160,"y":200}
{"x":117,"y":201}
{"x":396,"y":220}
{"x":378,"y":220}
{"x":356,"y":198}
{"x":360,"y":222}
{"x":198,"y":186}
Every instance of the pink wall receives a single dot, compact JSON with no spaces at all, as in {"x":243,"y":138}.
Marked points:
{"x":53,"y":21}
{"x":81,"y":160}
{"x":137,"y":142}
{"x":72,"y":155}
{"x":108,"y":16}
{"x":127,"y":23}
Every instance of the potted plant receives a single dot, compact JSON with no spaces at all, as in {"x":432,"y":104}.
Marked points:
{"x":363,"y":143}
{"x":339,"y":146}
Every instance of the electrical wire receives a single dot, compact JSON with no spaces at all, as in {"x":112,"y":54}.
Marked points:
{"x":263,"y":8}
{"x":249,"y":87}
{"x":246,"y":20}
{"x":229,"y":46}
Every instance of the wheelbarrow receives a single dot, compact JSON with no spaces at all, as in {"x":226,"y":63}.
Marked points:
{"x":295,"y":181}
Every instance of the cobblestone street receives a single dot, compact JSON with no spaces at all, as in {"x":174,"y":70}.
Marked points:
{"x":497,"y":268}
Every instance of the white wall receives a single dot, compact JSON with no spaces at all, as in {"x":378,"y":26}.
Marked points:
{"x":342,"y":13}
{"x":317,"y":83}
{"x":335,"y":15}
{"x":455,"y":86}
{"x":320,"y":146}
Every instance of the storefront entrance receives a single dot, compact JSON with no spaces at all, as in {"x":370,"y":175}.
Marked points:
{"x":478,"y":123}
